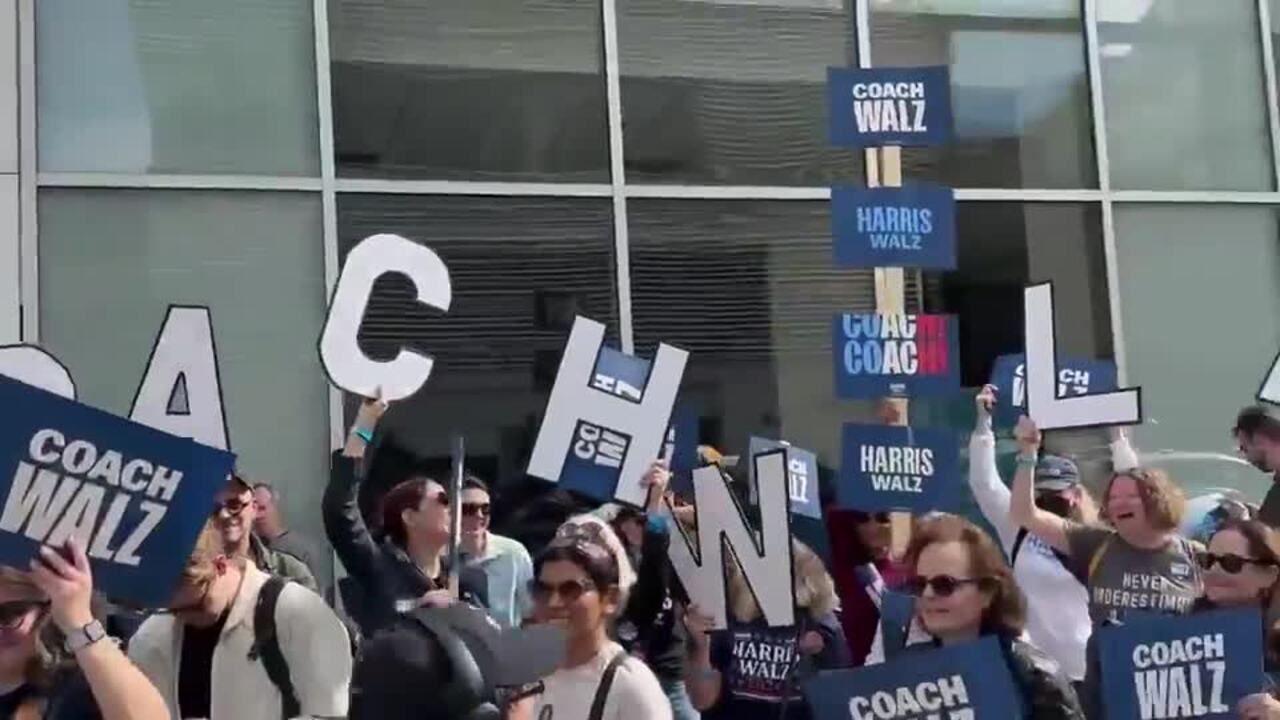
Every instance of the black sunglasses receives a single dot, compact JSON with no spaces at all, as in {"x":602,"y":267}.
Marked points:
{"x":1229,"y":562}
{"x":12,"y":612}
{"x":477,"y":509}
{"x":569,"y":590}
{"x":943,"y":585}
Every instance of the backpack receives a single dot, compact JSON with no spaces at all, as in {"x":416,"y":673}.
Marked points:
{"x":266,"y":644}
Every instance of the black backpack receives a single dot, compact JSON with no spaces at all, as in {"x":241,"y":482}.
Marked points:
{"x":266,"y":645}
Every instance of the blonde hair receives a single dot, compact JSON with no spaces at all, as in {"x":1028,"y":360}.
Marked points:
{"x":814,"y":590}
{"x":49,"y":655}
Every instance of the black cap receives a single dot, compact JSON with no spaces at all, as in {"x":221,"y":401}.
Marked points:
{"x":404,"y":671}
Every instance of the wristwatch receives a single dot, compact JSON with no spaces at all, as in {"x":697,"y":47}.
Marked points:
{"x":83,"y":637}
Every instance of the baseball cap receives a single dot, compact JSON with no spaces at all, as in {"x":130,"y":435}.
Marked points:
{"x":404,"y":670}
{"x":1055,"y":472}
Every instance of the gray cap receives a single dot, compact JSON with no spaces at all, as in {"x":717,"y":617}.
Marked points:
{"x":1055,"y":473}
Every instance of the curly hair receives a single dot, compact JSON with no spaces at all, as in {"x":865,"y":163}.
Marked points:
{"x":1006,"y":614}
{"x":1162,"y":499}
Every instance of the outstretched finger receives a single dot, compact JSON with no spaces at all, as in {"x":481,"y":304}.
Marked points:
{"x":55,"y":562}
{"x":75,"y":551}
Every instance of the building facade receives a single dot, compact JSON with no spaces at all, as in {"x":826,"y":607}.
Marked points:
{"x":662,"y":166}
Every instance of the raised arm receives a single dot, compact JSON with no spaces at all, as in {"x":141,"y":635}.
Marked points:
{"x":704,"y":681}
{"x":650,"y":590}
{"x":1023,"y":511}
{"x":340,"y":508}
{"x":988,"y":489}
{"x":120,"y":689}
{"x":1123,"y":456}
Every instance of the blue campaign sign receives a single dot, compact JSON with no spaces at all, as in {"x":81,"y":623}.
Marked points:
{"x":889,"y":106}
{"x":802,"y":476}
{"x":886,"y":468}
{"x":895,"y":355}
{"x":594,"y":472}
{"x":957,"y":682}
{"x":1181,"y":666}
{"x":912,"y":226}
{"x":1076,"y":376}
{"x":135,"y":497}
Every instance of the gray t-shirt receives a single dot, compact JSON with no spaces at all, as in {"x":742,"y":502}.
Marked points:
{"x":1125,"y":578}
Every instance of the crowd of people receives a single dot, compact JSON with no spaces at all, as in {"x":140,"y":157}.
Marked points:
{"x":575,"y":613}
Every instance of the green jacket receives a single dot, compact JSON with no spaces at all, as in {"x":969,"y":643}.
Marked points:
{"x":277,"y":562}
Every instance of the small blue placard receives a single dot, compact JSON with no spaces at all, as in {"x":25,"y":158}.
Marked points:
{"x":596,"y":454}
{"x":970,"y":680}
{"x":762,"y":661}
{"x":1076,"y":376}
{"x":912,"y":226}
{"x":886,"y":468}
{"x":802,"y":476}
{"x":135,"y":497}
{"x":1183,"y":666}
{"x":895,"y":355}
{"x":890,"y":106}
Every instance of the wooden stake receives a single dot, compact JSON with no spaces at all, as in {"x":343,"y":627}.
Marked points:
{"x":891,"y":300}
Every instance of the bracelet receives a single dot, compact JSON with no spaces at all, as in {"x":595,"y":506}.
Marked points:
{"x":1027,"y":461}
{"x":365,"y":435}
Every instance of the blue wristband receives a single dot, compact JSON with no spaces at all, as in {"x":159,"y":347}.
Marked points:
{"x":365,"y":435}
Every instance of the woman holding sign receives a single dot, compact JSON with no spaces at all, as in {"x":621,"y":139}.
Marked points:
{"x":1137,"y":562}
{"x":752,"y":671}
{"x":56,"y":661}
{"x":1241,"y":567}
{"x":965,"y":591}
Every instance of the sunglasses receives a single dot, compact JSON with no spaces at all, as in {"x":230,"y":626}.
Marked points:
{"x":586,"y":538}
{"x":569,"y":590}
{"x":233,"y":506}
{"x":441,"y":498}
{"x":13,"y":612}
{"x":1229,"y":562}
{"x":476,"y":509}
{"x":942,"y":585}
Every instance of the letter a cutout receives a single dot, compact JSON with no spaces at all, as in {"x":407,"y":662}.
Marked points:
{"x":1120,"y":407}
{"x":184,"y":357}
{"x":346,"y":364}
{"x":1270,"y":391}
{"x":722,"y":527}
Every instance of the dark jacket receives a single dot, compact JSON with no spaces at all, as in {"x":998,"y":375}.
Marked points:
{"x":648,"y":628}
{"x":387,"y":578}
{"x":1047,"y":694}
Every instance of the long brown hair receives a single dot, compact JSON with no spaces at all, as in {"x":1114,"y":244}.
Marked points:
{"x":406,"y":495}
{"x":814,"y":590}
{"x":1007,"y":613}
{"x":1161,"y":497}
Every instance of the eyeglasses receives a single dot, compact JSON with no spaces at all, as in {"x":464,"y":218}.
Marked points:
{"x":477,"y":509}
{"x":569,"y":590}
{"x":880,"y":517}
{"x":441,"y":498}
{"x":1229,"y":562}
{"x":943,"y":585}
{"x":232,"y":506}
{"x":12,"y":612}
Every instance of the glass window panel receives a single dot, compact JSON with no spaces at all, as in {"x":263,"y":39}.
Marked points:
{"x":520,"y":270}
{"x":749,"y":289}
{"x":143,"y":86}
{"x":458,"y":89}
{"x":717,"y":92}
{"x":112,"y":261}
{"x":1183,"y":87}
{"x":1020,"y":89}
{"x":1201,"y":327}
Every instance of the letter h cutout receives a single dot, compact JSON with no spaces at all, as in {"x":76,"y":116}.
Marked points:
{"x":574,"y":400}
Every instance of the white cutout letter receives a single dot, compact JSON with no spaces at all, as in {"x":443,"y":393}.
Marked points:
{"x":1120,"y":407}
{"x":700,"y":564}
{"x":573,"y":399}
{"x":181,"y":392}
{"x":38,"y":368}
{"x":347,"y":366}
{"x":1270,"y":391}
